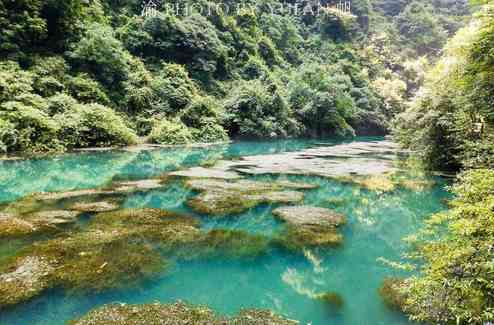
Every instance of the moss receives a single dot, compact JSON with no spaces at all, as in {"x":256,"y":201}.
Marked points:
{"x":96,"y":260}
{"x":333,"y":299}
{"x":309,"y":215}
{"x":390,"y":293}
{"x":337,"y":202}
{"x":11,"y":226}
{"x":43,"y":222}
{"x":177,"y":313}
{"x":222,"y":197}
{"x":232,"y":243}
{"x":164,"y":227}
{"x":417,"y":185}
{"x":117,"y":249}
{"x":298,"y":237}
{"x":380,"y":183}
{"x":109,"y":265}
{"x":102,"y":206}
{"x":258,"y":316}
{"x":25,"y":278}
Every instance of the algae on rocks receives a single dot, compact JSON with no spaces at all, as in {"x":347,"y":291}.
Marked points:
{"x":118,"y":248}
{"x":26,"y":278}
{"x":390,"y":293}
{"x":42,"y":222}
{"x":221,"y":197}
{"x":177,"y":313}
{"x":333,"y":299}
{"x":309,"y":227}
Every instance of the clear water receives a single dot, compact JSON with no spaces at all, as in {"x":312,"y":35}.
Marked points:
{"x":283,"y":282}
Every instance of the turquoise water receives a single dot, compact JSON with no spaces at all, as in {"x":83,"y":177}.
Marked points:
{"x":284,"y":282}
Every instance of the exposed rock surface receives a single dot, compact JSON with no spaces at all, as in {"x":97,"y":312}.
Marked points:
{"x":102,"y":206}
{"x":307,"y":215}
{"x":309,"y":227}
{"x":220,"y":197}
{"x":202,"y":172}
{"x":355,"y":158}
{"x":135,"y":186}
{"x":45,"y":196}
{"x":55,"y":217}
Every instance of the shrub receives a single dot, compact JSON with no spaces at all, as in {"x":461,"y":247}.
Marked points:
{"x":455,"y":281}
{"x":170,"y":132}
{"x":94,"y":125}
{"x":14,"y":81}
{"x":320,"y":97}
{"x":8,"y":136}
{"x":254,"y":68}
{"x":86,"y":90}
{"x":209,"y":131}
{"x":102,"y":54}
{"x":256,"y":109}
{"x":200,"y":108}
{"x":174,"y":87}
{"x":33,"y":129}
{"x":60,"y":103}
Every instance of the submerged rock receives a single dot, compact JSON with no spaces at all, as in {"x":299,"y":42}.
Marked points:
{"x":228,"y":243}
{"x":34,"y":223}
{"x":166,"y":227}
{"x":114,"y":188}
{"x":417,"y":185}
{"x":102,"y":206}
{"x":390,"y":293}
{"x":380,"y":183}
{"x":26,"y":278}
{"x":333,"y":299}
{"x":309,"y":227}
{"x":220,"y":197}
{"x":178,"y":313}
{"x":298,"y":238}
{"x":307,"y":215}
{"x":116,"y":249}
{"x":338,"y":201}
{"x":258,"y":317}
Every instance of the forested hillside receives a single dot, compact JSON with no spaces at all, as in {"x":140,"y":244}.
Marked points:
{"x":78,"y":74}
{"x":449,"y":125}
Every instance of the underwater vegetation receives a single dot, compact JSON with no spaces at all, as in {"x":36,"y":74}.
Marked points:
{"x":389,"y":182}
{"x":308,"y":227}
{"x":177,"y":313}
{"x":118,"y":248}
{"x":333,"y":299}
{"x":390,"y":293}
{"x":220,"y":197}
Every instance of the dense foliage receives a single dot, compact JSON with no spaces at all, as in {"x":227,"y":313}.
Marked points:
{"x":456,"y":280}
{"x":210,"y":76}
{"x":449,"y":124}
{"x":450,"y":121}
